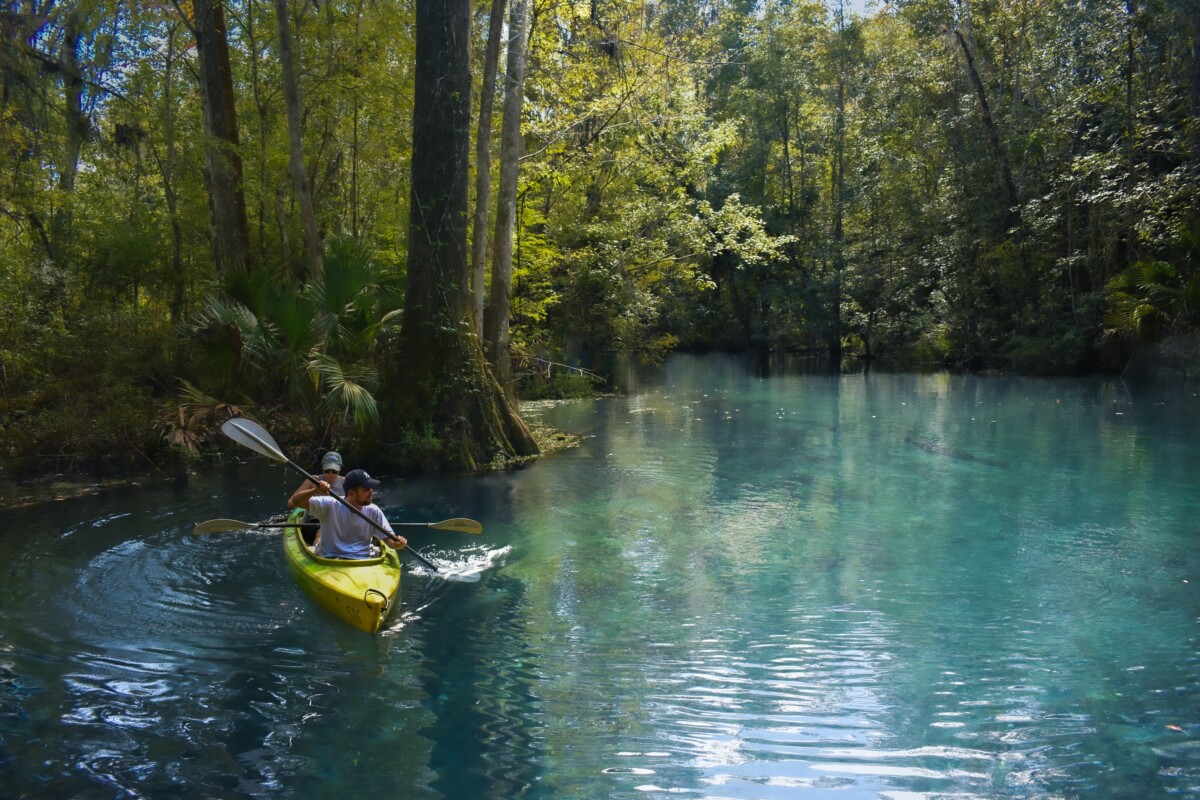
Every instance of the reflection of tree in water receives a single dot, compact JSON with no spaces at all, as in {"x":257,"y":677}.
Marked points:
{"x":486,"y":711}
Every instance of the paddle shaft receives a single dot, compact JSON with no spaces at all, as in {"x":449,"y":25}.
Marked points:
{"x":268,"y":447}
{"x":220,"y":525}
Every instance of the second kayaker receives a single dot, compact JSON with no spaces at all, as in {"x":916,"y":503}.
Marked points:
{"x":331,"y":468}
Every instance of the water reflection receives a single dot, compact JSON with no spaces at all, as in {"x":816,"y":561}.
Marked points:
{"x":747,"y":582}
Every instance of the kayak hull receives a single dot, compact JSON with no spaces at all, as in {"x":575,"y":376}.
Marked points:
{"x":360,"y":592}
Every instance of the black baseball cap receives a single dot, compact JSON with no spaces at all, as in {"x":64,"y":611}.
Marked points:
{"x":359,"y":477}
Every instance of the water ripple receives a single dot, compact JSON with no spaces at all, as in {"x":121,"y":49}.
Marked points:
{"x":735,"y":588}
{"x":188,"y":591}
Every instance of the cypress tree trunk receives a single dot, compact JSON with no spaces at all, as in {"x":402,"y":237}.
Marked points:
{"x":442,"y":403}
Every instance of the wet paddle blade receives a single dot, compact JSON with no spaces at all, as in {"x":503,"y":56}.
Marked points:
{"x":459,"y":524}
{"x":252,"y":435}
{"x":219,"y":525}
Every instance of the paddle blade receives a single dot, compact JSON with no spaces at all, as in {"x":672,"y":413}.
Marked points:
{"x":252,"y":435}
{"x":460,"y":524}
{"x":219,"y":525}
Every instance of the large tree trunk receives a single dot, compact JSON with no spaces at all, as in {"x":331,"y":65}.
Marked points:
{"x":223,"y":160}
{"x":440,"y":392}
{"x":291,"y":93}
{"x":498,"y":338}
{"x":483,"y":162}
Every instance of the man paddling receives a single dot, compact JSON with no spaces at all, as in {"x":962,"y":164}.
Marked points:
{"x":343,"y":533}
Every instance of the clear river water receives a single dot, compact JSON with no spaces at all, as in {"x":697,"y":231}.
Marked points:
{"x":749,"y":581}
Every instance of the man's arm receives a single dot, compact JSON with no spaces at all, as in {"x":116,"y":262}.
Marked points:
{"x":301,"y":496}
{"x":393,"y":540}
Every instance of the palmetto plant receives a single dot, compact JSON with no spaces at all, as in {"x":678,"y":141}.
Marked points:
{"x":1154,"y":298}
{"x":194,"y":421}
{"x":312,"y":348}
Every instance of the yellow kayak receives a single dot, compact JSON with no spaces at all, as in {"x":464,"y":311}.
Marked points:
{"x":362,"y":591}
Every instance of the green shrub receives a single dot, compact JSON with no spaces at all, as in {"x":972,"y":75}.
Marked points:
{"x":561,"y":385}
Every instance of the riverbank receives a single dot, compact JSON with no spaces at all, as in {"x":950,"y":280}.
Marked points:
{"x":59,"y":488}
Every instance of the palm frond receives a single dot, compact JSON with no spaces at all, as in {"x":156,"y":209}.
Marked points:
{"x":196,"y":420}
{"x":294,"y":321}
{"x":346,"y":392}
{"x":219,"y":331}
{"x":1145,"y":301}
{"x":261,"y":351}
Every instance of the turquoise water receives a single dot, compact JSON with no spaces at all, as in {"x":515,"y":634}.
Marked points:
{"x":747,"y":582}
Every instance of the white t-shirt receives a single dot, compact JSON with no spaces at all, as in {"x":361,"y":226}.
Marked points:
{"x":343,"y":533}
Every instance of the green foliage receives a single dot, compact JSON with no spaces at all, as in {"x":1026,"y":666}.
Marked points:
{"x":86,"y":405}
{"x":1144,"y":300}
{"x":194,"y":423}
{"x":772,"y":175}
{"x":560,"y":385}
{"x":1155,"y":298}
{"x":535,"y":293}
{"x":310,"y":347}
{"x":418,"y":446}
{"x":117,"y":438}
{"x":346,"y":393}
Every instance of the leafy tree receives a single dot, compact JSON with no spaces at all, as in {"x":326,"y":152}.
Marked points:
{"x":483,"y":162}
{"x":312,"y":237}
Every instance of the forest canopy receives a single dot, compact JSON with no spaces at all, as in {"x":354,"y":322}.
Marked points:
{"x":204,"y":206}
